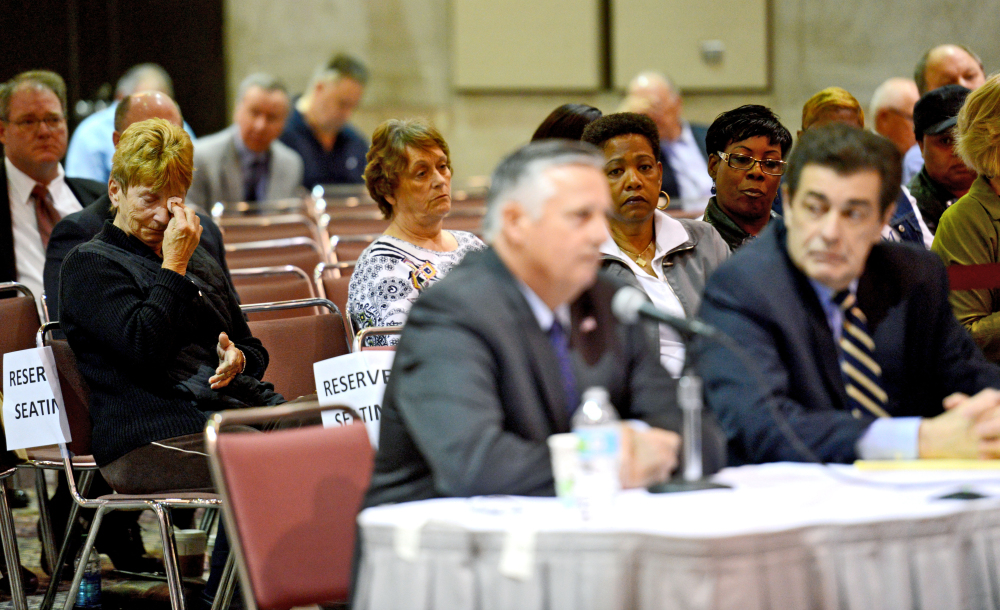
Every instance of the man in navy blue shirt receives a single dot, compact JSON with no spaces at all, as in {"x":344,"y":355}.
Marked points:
{"x":332,"y":151}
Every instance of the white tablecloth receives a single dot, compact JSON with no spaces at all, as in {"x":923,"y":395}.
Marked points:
{"x":786,"y":536}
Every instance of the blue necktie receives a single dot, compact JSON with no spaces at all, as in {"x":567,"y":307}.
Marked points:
{"x":560,"y":344}
{"x":862,"y":375}
{"x":258,"y":170}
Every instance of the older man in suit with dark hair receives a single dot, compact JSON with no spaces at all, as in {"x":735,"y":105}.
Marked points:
{"x":245,"y":161}
{"x":853,"y":339}
{"x":494,"y":357}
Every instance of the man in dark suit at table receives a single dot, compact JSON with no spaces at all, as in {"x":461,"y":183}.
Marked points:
{"x":34,"y":190}
{"x":82,"y":226}
{"x":854,"y":344}
{"x":494,"y":357}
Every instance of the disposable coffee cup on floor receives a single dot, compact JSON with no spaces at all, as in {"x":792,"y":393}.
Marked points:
{"x":191,"y":551}
{"x":564,"y":449}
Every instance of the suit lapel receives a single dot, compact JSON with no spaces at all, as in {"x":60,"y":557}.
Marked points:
{"x":821,"y":336}
{"x":232,"y":171}
{"x":541,"y":357}
{"x":8,"y":268}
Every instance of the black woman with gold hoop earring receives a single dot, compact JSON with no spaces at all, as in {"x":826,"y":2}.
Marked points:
{"x":667,"y":258}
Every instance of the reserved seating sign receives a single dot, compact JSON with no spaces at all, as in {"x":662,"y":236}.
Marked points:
{"x":33,"y":414}
{"x":356,"y":380}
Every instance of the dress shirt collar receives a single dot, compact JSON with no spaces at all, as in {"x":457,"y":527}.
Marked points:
{"x":21,"y":184}
{"x":834,"y":316}
{"x":541,"y":311}
{"x":247,"y":156}
{"x":669,"y":234}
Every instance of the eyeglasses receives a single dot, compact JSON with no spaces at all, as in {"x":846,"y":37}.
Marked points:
{"x":52,"y":121}
{"x":771,"y":167}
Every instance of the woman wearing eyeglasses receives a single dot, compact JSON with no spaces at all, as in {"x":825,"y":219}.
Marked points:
{"x":746,"y":151}
{"x":667,"y":258}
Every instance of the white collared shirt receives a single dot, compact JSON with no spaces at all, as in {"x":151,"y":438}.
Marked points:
{"x":542,"y":313}
{"x":690,"y":167}
{"x":669,"y":234}
{"x":29,"y":254}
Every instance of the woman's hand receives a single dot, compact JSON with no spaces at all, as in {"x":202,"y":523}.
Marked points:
{"x":181,"y":236}
{"x":231,"y":362}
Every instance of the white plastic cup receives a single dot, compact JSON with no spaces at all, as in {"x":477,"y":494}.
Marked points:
{"x":565,"y":465}
{"x":191,"y":546}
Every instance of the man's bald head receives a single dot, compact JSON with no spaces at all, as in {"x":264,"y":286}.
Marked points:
{"x":949,"y":64}
{"x":891,"y":111}
{"x":142,"y":106}
{"x":652,"y":94}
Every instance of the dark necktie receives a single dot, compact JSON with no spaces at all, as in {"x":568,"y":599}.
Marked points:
{"x":258,"y":170}
{"x":45,"y":211}
{"x":862,"y":375}
{"x":560,"y":344}
{"x":669,"y":184}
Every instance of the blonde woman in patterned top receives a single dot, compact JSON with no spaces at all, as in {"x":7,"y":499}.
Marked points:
{"x":409,"y":177}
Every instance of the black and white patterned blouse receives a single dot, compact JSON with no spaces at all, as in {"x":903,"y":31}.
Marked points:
{"x":391,"y":273}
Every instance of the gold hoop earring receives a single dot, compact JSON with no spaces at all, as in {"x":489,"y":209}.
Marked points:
{"x":665,"y":205}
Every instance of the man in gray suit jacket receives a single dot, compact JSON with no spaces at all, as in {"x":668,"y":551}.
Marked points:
{"x":494,"y":357}
{"x":245,"y":161}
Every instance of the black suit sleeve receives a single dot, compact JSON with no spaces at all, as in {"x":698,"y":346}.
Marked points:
{"x":445,"y":389}
{"x":743,"y":391}
{"x":66,"y":235}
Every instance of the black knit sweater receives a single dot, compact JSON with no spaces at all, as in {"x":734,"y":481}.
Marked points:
{"x":145,"y":340}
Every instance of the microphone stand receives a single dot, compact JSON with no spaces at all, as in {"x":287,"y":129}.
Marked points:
{"x":689,"y":397}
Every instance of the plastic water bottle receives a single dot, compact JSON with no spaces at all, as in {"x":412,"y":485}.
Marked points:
{"x":88,"y":597}
{"x":596,"y":423}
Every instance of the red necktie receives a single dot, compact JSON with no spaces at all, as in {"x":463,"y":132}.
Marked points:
{"x":45,"y":211}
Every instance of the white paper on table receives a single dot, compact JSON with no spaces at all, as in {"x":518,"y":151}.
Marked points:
{"x":357,"y":380}
{"x":33,"y":412}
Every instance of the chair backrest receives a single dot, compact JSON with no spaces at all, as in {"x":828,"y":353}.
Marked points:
{"x":349,"y":247}
{"x":297,"y":251}
{"x":262,"y":228}
{"x":314,"y":479}
{"x":375,"y":331}
{"x":294,"y":344}
{"x":268,"y":284}
{"x":974,"y":277}
{"x":335,"y":289}
{"x":75,"y":392}
{"x":19,"y":317}
{"x":354,"y":222}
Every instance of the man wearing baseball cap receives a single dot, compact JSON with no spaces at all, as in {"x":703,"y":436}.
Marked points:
{"x":944,"y":177}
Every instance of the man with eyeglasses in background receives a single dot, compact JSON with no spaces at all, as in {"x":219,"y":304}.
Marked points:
{"x":35,"y":191}
{"x":747,"y":147}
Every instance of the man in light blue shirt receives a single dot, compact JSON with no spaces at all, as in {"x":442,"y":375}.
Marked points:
{"x":91,"y":147}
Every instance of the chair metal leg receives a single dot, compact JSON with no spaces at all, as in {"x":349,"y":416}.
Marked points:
{"x":227,"y":584}
{"x":95,"y":526}
{"x":208,"y":519}
{"x":86,"y":477}
{"x":13,"y":558}
{"x":45,"y":516}
{"x":174,"y":584}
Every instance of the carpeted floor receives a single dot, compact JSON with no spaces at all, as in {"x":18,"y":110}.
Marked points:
{"x":118,"y":590}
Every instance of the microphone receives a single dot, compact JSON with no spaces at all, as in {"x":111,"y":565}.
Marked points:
{"x":629,"y":303}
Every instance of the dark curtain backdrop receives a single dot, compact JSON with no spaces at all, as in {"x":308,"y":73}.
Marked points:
{"x":91,"y":43}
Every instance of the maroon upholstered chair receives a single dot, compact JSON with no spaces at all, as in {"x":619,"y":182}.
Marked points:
{"x":291,"y":498}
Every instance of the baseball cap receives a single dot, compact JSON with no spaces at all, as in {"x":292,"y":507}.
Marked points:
{"x":937,"y":110}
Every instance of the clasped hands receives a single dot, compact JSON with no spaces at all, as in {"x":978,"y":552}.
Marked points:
{"x":648,"y":456}
{"x":969,"y":428}
{"x":231,"y":363}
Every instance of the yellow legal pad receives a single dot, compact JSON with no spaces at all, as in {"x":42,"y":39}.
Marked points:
{"x":927,"y":465}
